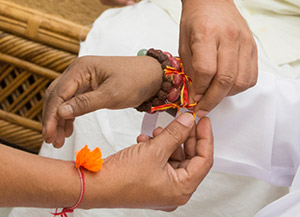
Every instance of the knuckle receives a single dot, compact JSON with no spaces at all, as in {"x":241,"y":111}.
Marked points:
{"x":175,"y":133}
{"x":83,"y":104}
{"x":232,"y":32}
{"x":204,"y":69}
{"x":246,"y":38}
{"x":225,"y":80}
{"x":49,"y":93}
{"x":206,"y":26}
{"x":242,"y":85}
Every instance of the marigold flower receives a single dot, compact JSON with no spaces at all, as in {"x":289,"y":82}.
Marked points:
{"x":90,"y":160}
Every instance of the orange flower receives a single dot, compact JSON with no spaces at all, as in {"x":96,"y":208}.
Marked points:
{"x":90,"y":160}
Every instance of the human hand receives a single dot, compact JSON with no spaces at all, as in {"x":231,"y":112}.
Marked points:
{"x":95,"y":82}
{"x":153,"y":174}
{"x":218,"y":51}
{"x":117,"y":2}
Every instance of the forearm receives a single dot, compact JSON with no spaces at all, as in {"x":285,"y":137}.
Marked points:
{"x":32,"y":181}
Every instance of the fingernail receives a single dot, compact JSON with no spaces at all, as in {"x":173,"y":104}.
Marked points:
{"x":186,"y":119}
{"x":201,"y":114}
{"x":66,"y":110}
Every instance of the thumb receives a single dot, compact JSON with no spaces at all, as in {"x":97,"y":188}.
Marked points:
{"x":85,"y":103}
{"x":174,"y":134}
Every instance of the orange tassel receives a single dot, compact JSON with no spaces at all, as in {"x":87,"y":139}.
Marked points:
{"x":90,"y":160}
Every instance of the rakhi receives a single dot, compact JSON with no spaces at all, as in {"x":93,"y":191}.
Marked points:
{"x":173,"y":92}
{"x":85,"y":159}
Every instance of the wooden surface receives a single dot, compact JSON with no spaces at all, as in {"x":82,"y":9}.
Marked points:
{"x":34,"y":49}
{"x":83,"y":12}
{"x":41,"y":27}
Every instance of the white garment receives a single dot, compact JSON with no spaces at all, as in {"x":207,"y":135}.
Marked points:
{"x":124,"y":31}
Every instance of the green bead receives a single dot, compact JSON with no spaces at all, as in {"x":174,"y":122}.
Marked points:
{"x":142,"y":52}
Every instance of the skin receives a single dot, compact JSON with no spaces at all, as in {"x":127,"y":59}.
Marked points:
{"x":149,"y":174}
{"x":218,"y":51}
{"x":92,"y":83}
{"x":117,"y":2}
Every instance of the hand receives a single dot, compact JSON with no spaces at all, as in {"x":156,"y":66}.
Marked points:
{"x":92,"y":83}
{"x":117,"y":2}
{"x":218,"y":51}
{"x":150,"y":175}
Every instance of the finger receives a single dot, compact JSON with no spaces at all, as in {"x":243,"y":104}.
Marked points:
{"x":166,"y":209}
{"x":103,"y":97}
{"x":68,"y":128}
{"x":157,"y":131}
{"x":60,"y":138}
{"x":245,"y":78}
{"x":204,"y":66}
{"x":254,"y":65}
{"x":223,"y":80}
{"x":184,"y":49}
{"x":174,"y":135}
{"x":174,"y":164}
{"x":177,"y":155}
{"x":190,"y":144}
{"x":200,"y":165}
{"x":143,"y":138}
{"x":55,"y":96}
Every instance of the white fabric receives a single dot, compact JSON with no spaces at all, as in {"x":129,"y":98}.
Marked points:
{"x":245,"y":126}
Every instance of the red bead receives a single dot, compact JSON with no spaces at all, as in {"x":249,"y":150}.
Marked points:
{"x":175,"y":63}
{"x":173,"y":94}
{"x":177,"y":80}
{"x":168,"y":55}
{"x":166,"y":86}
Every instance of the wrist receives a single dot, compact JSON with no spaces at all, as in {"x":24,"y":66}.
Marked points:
{"x":97,"y":193}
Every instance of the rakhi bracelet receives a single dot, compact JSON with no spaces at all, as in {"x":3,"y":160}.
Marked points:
{"x":66,"y":210}
{"x":85,"y":159}
{"x":173,"y":92}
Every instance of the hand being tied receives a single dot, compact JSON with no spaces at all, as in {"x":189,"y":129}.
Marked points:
{"x":156,"y":173}
{"x":95,"y":82}
{"x":218,"y":51}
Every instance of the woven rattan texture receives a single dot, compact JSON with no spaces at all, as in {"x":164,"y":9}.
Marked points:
{"x":26,"y":69}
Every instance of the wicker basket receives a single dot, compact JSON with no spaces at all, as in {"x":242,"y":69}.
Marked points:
{"x":34,"y":49}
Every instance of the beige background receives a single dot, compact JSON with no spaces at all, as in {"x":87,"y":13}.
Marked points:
{"x":79,"y":11}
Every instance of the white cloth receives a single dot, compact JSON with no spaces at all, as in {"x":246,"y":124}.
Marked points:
{"x":239,"y":120}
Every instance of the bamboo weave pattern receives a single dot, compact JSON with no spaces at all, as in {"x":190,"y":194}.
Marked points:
{"x":26,"y":69}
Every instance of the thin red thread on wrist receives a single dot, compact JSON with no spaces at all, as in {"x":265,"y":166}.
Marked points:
{"x":66,"y":210}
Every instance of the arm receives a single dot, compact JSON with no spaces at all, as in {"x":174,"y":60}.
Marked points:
{"x":218,"y":51}
{"x":141,"y":176}
{"x":32,"y":181}
{"x":97,"y":82}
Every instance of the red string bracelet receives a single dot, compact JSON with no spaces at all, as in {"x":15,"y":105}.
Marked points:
{"x":66,"y":210}
{"x":85,"y":159}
